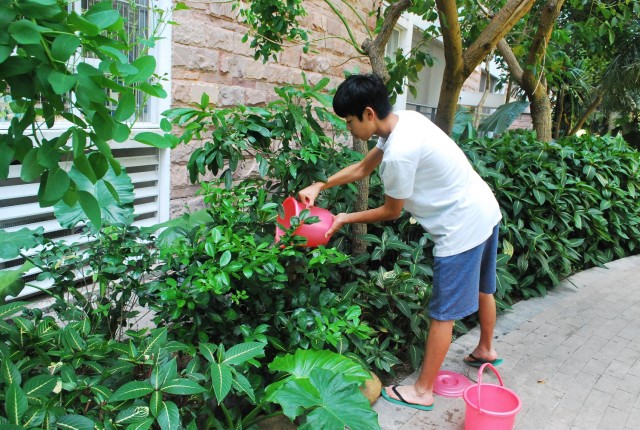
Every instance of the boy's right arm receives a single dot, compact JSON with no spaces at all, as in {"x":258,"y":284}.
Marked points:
{"x":349,"y":174}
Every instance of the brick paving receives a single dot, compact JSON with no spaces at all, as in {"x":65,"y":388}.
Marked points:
{"x":573,"y":358}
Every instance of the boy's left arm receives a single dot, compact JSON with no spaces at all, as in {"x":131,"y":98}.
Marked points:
{"x":390,"y":210}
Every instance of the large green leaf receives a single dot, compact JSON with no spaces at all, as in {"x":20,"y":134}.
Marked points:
{"x":178,"y":227}
{"x":238,"y":354}
{"x":163,"y":373}
{"x":221,"y":380}
{"x":461,"y":122}
{"x":155,"y":139}
{"x":15,"y":403}
{"x":41,"y":385}
{"x":25,"y":32}
{"x":132,"y":390}
{"x":12,"y":242}
{"x":61,"y":82}
{"x":182,"y":387}
{"x":110,"y":209}
{"x":133,"y":414}
{"x":503,"y":117}
{"x":75,"y":422}
{"x":11,"y":309}
{"x":145,"y":65}
{"x":104,"y":16}
{"x":53,"y":185}
{"x":169,"y":416}
{"x":327,"y":394}
{"x":11,"y":282}
{"x":303,"y":362}
{"x":157,"y":339}
{"x":243,"y":385}
{"x":64,"y":46}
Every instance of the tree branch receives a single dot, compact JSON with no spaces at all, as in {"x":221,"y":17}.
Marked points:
{"x":497,"y":28}
{"x":341,"y":17}
{"x":451,"y":35}
{"x":511,"y":60}
{"x":357,"y":14}
{"x":375,"y":48}
{"x":538,"y":49}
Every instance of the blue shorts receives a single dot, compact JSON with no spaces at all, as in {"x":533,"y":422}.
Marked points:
{"x":457,"y":279}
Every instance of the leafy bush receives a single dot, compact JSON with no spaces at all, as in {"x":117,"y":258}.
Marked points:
{"x":566,"y":205}
{"x":225,"y":281}
{"x":99,"y":278}
{"x":224,"y":294}
{"x":93,"y":95}
{"x":56,"y":376}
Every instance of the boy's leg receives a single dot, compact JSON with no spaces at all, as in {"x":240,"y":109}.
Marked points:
{"x":435,"y":351}
{"x":486,"y":302}
{"x":487,"y":319}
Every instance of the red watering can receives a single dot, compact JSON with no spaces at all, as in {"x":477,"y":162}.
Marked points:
{"x":314,"y":233}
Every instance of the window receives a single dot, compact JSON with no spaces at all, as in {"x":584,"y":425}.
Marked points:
{"x":147,"y":166}
{"x":393,"y":44}
{"x":493,"y":82}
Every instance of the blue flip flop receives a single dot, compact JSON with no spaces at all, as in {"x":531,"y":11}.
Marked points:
{"x":402,"y":401}
{"x":477,"y":362}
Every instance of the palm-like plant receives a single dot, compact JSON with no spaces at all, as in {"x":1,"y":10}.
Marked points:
{"x":618,"y":89}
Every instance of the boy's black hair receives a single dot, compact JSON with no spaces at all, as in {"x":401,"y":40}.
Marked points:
{"x":358,"y":92}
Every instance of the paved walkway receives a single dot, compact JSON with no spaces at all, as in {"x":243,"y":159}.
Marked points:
{"x":573,"y":358}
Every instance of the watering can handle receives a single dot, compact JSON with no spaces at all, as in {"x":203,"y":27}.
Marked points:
{"x":480,"y":372}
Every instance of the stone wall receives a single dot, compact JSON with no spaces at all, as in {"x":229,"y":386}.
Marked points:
{"x":208,"y":56}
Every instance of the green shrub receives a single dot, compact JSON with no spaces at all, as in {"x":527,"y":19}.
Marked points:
{"x":56,"y":376}
{"x":566,"y":205}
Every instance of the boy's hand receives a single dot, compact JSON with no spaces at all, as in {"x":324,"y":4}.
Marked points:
{"x":338,"y":221}
{"x":310,"y":194}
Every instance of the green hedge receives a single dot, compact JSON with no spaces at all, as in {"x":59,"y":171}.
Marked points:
{"x":567,"y":205}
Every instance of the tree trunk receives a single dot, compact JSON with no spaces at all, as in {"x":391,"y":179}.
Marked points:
{"x":531,"y":78}
{"x":375,"y":51}
{"x":541,"y":115}
{"x":359,"y":246}
{"x":592,"y":107}
{"x":559,"y":114}
{"x":460,"y":64}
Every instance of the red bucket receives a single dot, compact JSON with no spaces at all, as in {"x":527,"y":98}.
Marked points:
{"x":314,"y":233}
{"x":490,"y":406}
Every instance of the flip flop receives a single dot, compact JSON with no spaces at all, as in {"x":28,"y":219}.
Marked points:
{"x":477,"y":362}
{"x":402,"y":401}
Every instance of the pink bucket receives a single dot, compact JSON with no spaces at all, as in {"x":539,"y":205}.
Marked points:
{"x":314,"y":233}
{"x":490,"y":406}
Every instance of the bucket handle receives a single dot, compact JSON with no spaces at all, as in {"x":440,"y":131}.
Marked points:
{"x":480,"y":372}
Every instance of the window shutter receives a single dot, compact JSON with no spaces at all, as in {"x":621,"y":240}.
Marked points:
{"x":19,"y":206}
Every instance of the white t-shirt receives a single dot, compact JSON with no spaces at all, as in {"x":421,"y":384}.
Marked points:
{"x":441,"y":190}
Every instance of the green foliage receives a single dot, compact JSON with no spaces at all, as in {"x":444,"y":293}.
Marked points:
{"x":404,"y":69}
{"x":225,"y":295}
{"x":287,"y":137}
{"x":499,"y":121}
{"x":47,"y":53}
{"x":224,"y":281}
{"x":53,"y":376}
{"x":274,"y":23}
{"x":100,"y":278}
{"x":323,"y":382}
{"x":566,"y":206}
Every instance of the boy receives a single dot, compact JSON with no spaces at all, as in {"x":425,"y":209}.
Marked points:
{"x":424,"y":172}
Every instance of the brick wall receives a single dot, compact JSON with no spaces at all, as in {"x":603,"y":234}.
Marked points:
{"x":209,"y":57}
